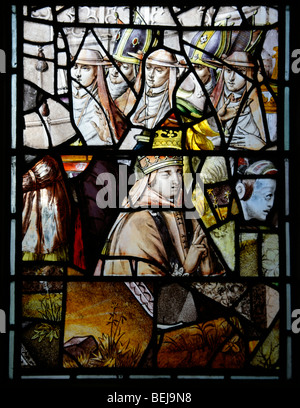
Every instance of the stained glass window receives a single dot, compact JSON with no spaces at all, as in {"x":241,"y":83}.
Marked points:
{"x":150,"y":155}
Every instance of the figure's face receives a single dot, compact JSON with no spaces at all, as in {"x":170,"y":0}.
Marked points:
{"x":203,"y":73}
{"x":233,"y":80}
{"x":84,"y":74}
{"x":261,"y":201}
{"x":168,"y":181}
{"x":156,"y":75}
{"x":126,"y":69}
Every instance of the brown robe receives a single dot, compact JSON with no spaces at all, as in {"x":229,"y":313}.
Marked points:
{"x":136,"y":235}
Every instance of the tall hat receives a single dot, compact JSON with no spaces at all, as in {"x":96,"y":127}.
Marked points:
{"x":206,"y":45}
{"x":88,"y":56}
{"x":132,"y":42}
{"x":245,"y":40}
{"x":148,"y":164}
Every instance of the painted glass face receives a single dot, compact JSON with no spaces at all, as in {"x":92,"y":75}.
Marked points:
{"x":156,"y":75}
{"x":203,"y":73}
{"x":128,"y":70}
{"x":233,"y":80}
{"x":168,"y":181}
{"x":261,"y":201}
{"x":84,"y":75}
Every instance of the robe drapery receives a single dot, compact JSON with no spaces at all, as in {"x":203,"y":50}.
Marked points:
{"x":153,"y":106}
{"x":95,"y":114}
{"x":46,"y":212}
{"x":94,"y":127}
{"x":250,"y":118}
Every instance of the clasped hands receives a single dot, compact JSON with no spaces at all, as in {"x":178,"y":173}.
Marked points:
{"x":197,"y":251}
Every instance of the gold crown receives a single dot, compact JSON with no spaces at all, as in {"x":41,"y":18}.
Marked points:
{"x":167,"y":138}
{"x":152,"y":163}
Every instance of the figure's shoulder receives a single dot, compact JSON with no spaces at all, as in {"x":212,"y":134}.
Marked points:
{"x":140,"y":221}
{"x":140,"y":218}
{"x":139,"y":224}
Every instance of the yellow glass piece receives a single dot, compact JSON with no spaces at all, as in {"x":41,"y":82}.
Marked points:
{"x":196,"y":137}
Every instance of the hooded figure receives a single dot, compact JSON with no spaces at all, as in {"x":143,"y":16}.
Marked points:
{"x":159,"y":239}
{"x":236,"y":101}
{"x":46,"y":215}
{"x":156,"y":97}
{"x":96,"y":116}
